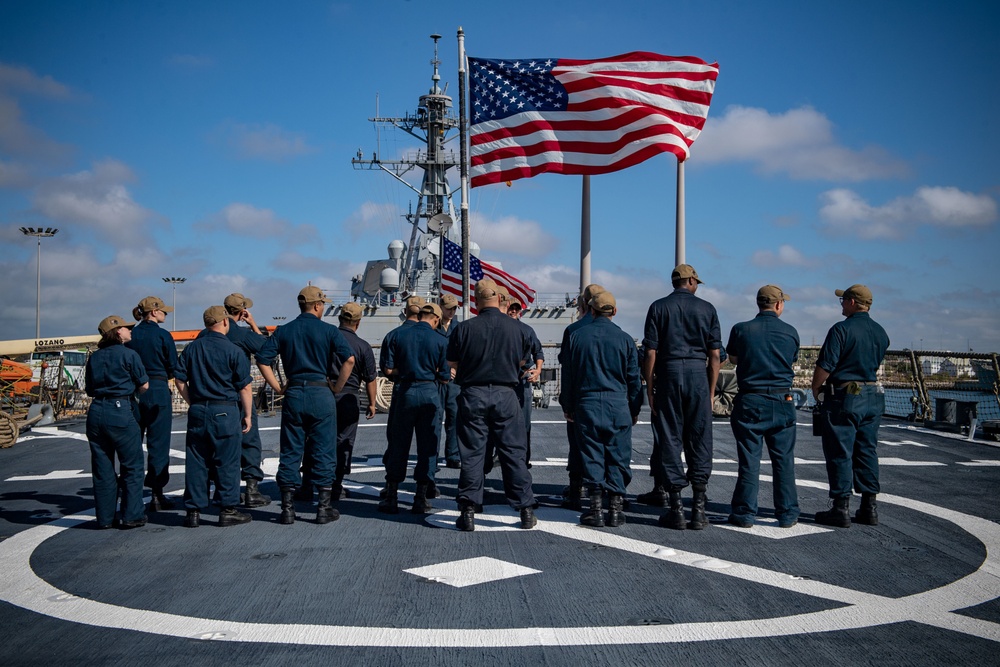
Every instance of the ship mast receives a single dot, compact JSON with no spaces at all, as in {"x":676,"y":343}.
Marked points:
{"x":431,"y":124}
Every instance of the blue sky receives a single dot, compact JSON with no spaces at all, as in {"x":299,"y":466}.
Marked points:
{"x":847,"y":143}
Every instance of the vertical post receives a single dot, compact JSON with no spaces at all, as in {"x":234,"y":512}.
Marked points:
{"x":463,"y":140}
{"x":38,"y":291}
{"x":585,"y":235}
{"x":679,"y":248}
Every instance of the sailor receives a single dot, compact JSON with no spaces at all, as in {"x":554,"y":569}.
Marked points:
{"x":852,"y":406}
{"x":348,"y":402}
{"x":682,"y":340}
{"x":415,"y":361}
{"x":249,"y":339}
{"x":531,"y":369}
{"x":486,"y":353}
{"x":576,"y":491}
{"x":450,"y":390}
{"x":114,"y":375}
{"x":308,"y":347}
{"x":602,"y":395}
{"x":763,"y":351}
{"x":158,"y":352}
{"x":213,"y":376}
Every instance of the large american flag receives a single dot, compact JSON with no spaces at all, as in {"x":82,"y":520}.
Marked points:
{"x":583,"y":116}
{"x":451,"y":276}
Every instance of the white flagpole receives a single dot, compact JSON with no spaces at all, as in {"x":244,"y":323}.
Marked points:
{"x":679,"y":249}
{"x":464,"y":171}
{"x":585,"y":235}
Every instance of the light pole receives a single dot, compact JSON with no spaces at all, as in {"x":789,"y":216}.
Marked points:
{"x":38,"y":232}
{"x":174,"y":282}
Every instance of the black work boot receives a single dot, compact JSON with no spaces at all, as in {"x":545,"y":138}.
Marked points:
{"x":698,"y":519}
{"x":657,"y":497}
{"x":325,"y":513}
{"x":528,"y":519}
{"x":305,"y":492}
{"x":432,"y":491}
{"x":572,"y":495}
{"x":867,"y":514}
{"x":594,"y":517}
{"x":253,"y":497}
{"x":420,"y":503}
{"x":338,"y":491}
{"x":837,"y":516}
{"x":287,"y":506}
{"x":467,"y":519}
{"x":228,"y":516}
{"x":159,"y":502}
{"x":674,"y":516}
{"x":193,"y":519}
{"x":390,"y":502}
{"x":616,"y":516}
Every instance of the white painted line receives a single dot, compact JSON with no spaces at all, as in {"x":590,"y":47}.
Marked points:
{"x":902,"y":442}
{"x":980,"y":462}
{"x":55,"y":474}
{"x":891,"y":461}
{"x":471,"y":571}
{"x":768,"y":527}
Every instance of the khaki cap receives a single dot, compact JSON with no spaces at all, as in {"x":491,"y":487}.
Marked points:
{"x":431,"y":309}
{"x":857,"y":293}
{"x":312,"y":294}
{"x":604,"y":303}
{"x":486,"y":289}
{"x":112,"y":322}
{"x":684,"y":271}
{"x":351,"y":312}
{"x":590,"y":291}
{"x":414,"y":304}
{"x":771,"y":294}
{"x":449,"y":301}
{"x":151,"y":303}
{"x":503,"y":293}
{"x":214,"y":315}
{"x":237,"y":301}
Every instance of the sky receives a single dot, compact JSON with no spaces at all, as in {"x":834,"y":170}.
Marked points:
{"x":847,"y":142}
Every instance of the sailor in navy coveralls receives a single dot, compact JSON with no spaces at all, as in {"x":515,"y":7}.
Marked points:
{"x":764,"y":350}
{"x":486,"y":353}
{"x":158,"y":352}
{"x":348,"y":404}
{"x":213,"y":376}
{"x":114,"y":375}
{"x":602,"y":395}
{"x":308,"y":347}
{"x":450,"y":391}
{"x":681,"y":367}
{"x":415,"y":361}
{"x":852,"y":400}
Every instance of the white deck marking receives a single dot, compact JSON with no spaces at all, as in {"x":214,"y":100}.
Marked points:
{"x":980,"y":462}
{"x":471,"y":571}
{"x":902,"y":442}
{"x":891,"y":461}
{"x":768,"y":527}
{"x":55,"y":474}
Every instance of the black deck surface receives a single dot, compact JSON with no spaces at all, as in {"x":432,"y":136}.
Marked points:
{"x":922,"y":588}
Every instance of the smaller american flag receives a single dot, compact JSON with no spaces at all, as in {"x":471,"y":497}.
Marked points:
{"x":451,"y":276}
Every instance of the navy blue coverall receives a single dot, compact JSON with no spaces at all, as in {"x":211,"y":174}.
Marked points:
{"x":158,"y":352}
{"x":348,"y":404}
{"x":250,"y":448}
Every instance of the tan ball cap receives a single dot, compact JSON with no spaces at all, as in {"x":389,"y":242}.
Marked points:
{"x":151,"y":303}
{"x":112,"y":322}
{"x":414,"y":304}
{"x":771,"y":294}
{"x":684,"y":271}
{"x":604,"y":303}
{"x":311,"y":294}
{"x":237,"y":301}
{"x":857,"y":293}
{"x":351,"y":312}
{"x":214,"y":315}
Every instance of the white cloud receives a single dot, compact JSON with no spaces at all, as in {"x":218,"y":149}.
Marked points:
{"x":13,"y":174}
{"x":512,"y":235}
{"x":19,"y":138}
{"x":372,"y":217}
{"x":786,"y":255}
{"x":24,"y":80}
{"x":265,"y":142}
{"x":97,"y":199}
{"x":248,"y":220}
{"x":799,"y":143}
{"x":846,"y":212}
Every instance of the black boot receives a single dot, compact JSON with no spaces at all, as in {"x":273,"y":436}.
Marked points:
{"x":325,"y":513}
{"x":528,"y":519}
{"x":432,"y":491}
{"x":390,"y":502}
{"x":572,"y":495}
{"x":674,"y":516}
{"x":657,"y":497}
{"x":338,"y":491}
{"x":420,"y":503}
{"x":228,"y":516}
{"x":867,"y":514}
{"x":193,"y":519}
{"x":158,"y":502}
{"x":698,"y":519}
{"x":837,"y":516}
{"x":615,"y":515}
{"x":305,"y":492}
{"x":287,"y":506}
{"x":253,"y":496}
{"x":467,"y":519}
{"x":594,"y":517}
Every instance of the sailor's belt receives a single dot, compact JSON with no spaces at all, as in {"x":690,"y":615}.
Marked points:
{"x":775,"y":391}
{"x":232,"y":402}
{"x":307,"y":383}
{"x":161,"y":378}
{"x":123,"y":397}
{"x":858,"y":383}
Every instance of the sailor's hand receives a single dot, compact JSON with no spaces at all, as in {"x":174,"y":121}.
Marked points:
{"x":246,"y":424}
{"x":532,"y":375}
{"x":370,"y":412}
{"x":568,"y":416}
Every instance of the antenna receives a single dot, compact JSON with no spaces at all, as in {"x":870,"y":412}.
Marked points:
{"x":437,"y":77}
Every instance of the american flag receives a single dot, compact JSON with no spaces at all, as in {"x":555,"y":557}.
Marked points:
{"x":451,"y":276}
{"x":583,"y":116}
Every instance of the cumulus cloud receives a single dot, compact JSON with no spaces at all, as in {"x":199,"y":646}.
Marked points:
{"x":264,"y":141}
{"x":512,"y":235}
{"x":98,"y":199}
{"x":846,"y":212}
{"x":22,"y":79}
{"x":260,"y":223}
{"x":17,"y":137}
{"x":13,"y":174}
{"x":799,"y":143}
{"x":371,"y":217}
{"x":785,"y":255}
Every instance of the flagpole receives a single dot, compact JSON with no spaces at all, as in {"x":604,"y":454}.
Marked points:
{"x":585,"y":235}
{"x":679,"y":249}
{"x":463,"y":136}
